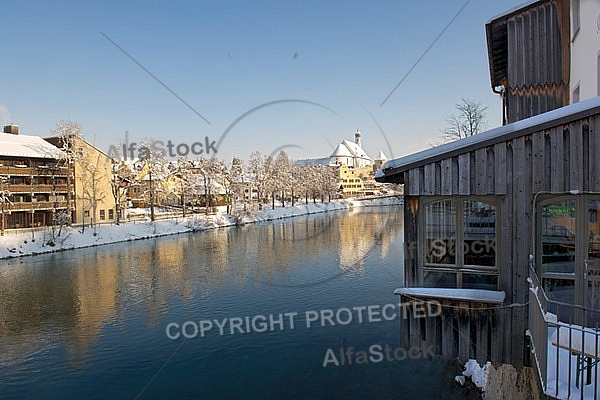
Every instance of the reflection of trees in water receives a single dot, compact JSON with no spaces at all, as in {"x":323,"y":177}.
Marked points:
{"x":74,"y":295}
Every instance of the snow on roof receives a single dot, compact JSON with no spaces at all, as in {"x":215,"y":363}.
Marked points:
{"x":314,"y":161}
{"x":341,"y":151}
{"x":355,"y":149}
{"x":493,"y":135}
{"x":484,"y":296}
{"x":381,"y":155}
{"x":27,"y":146}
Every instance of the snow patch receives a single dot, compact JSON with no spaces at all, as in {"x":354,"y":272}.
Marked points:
{"x":478,"y":375}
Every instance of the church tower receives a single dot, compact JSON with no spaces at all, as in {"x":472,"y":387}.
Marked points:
{"x":357,"y":138}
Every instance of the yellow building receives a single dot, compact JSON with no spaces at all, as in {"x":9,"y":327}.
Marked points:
{"x":353,"y":179}
{"x":94,"y":201}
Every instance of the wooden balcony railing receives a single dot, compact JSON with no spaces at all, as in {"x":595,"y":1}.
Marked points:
{"x":34,"y":205}
{"x":24,"y":188}
{"x":35,"y":171}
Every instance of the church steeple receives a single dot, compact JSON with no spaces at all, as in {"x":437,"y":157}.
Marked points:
{"x":357,"y":138}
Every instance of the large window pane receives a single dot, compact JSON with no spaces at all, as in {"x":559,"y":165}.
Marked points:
{"x":558,"y":237}
{"x":479,"y":238}
{"x":480,"y":281}
{"x":439,"y":279}
{"x":440,"y":233}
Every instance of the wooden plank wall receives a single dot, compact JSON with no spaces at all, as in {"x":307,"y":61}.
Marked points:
{"x":464,"y":329}
{"x":538,"y":60}
{"x":559,"y":159}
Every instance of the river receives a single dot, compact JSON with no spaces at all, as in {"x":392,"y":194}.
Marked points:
{"x":264,"y":308}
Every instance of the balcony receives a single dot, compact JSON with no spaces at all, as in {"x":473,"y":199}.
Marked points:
{"x":34,"y":205}
{"x":35,"y":171}
{"x":25,"y":188}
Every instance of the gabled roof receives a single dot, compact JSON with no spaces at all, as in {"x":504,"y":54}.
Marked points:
{"x":382,"y":156}
{"x":341,"y":151}
{"x":392,"y":171}
{"x":349,"y":149}
{"x":27,"y":146}
{"x":356,"y":150}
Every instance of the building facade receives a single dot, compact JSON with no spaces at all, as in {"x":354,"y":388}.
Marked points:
{"x":93,"y":181}
{"x":33,"y":181}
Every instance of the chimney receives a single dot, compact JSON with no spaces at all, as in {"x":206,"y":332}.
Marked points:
{"x":12,"y":129}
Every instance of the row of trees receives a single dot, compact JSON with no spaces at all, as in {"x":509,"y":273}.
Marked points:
{"x":263,"y":179}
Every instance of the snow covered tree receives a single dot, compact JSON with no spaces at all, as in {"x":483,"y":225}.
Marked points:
{"x":237,"y":173}
{"x":152,"y":167}
{"x":120,"y":183}
{"x":67,"y":132}
{"x":281,"y":176}
{"x":330,"y":181}
{"x":210,"y":169}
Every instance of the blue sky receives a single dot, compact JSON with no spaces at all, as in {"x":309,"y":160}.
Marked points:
{"x":225,"y":58}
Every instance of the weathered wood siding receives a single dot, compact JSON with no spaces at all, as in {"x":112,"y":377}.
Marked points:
{"x":464,"y":329}
{"x":538,"y":59}
{"x":556,"y":159}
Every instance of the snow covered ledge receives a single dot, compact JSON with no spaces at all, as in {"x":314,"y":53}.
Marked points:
{"x":478,"y":295}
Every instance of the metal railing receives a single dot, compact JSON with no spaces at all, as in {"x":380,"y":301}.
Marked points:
{"x":565,"y":344}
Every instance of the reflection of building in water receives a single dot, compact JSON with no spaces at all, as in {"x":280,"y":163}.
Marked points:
{"x":359,"y":236}
{"x":95,"y":289}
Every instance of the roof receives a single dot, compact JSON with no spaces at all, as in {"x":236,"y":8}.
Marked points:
{"x":349,"y":149}
{"x":313,"y":161}
{"x":27,"y":146}
{"x":381,"y":156}
{"x":392,"y":170}
{"x":341,"y":151}
{"x":57,"y":141}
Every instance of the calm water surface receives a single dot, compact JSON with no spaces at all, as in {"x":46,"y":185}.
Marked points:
{"x":92,"y":323}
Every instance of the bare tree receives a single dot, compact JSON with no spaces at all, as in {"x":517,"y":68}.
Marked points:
{"x":468,"y":121}
{"x":91,"y":176}
{"x":119,"y":185}
{"x":4,"y":198}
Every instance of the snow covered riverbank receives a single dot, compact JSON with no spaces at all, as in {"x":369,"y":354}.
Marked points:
{"x":24,"y":243}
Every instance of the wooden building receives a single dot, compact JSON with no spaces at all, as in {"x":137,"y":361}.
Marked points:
{"x":484,"y":215}
{"x":529,"y":58}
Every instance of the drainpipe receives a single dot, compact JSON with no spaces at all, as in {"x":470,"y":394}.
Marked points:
{"x":501,"y":91}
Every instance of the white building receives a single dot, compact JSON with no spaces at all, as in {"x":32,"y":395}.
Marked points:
{"x":585,"y":50}
{"x":350,"y":153}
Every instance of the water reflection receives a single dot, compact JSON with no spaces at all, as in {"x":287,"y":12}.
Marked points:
{"x":66,"y":300}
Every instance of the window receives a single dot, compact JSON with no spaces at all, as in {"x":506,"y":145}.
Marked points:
{"x":459,"y":244}
{"x":86,"y":213}
{"x":576,"y":17}
{"x":568,"y":251}
{"x":111,"y":214}
{"x":102,"y":215}
{"x":575,"y":97}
